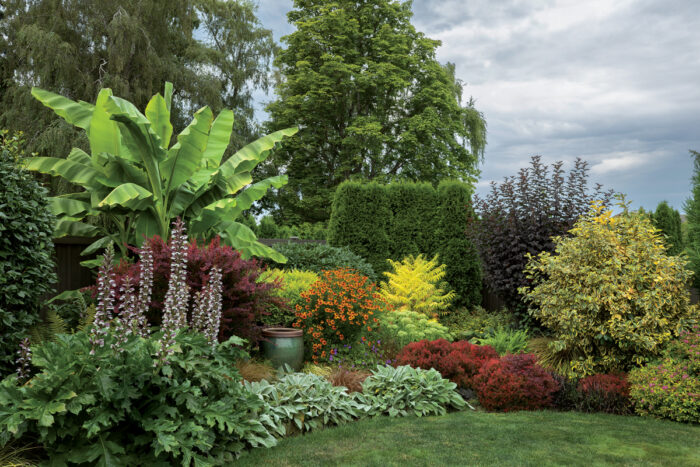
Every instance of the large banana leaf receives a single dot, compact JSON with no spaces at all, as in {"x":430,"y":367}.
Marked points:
{"x":76,"y":113}
{"x":185,"y":157}
{"x":75,"y":172}
{"x":128,"y":195}
{"x":139,"y":183}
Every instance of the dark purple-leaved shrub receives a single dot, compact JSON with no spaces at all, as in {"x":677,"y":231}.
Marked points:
{"x":521,"y":214}
{"x":244,"y":299}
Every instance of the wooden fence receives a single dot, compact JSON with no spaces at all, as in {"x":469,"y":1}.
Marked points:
{"x":71,"y":275}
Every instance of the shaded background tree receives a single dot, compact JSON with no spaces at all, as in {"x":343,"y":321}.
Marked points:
{"x":521,"y":215}
{"x":215,"y":52}
{"x":668,"y":220}
{"x":373,"y":103}
{"x":692,"y":210}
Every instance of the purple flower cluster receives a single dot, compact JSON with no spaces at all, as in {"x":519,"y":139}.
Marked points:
{"x":105,"y":300}
{"x":24,"y":369}
{"x":206,"y":315}
{"x":177,"y":296}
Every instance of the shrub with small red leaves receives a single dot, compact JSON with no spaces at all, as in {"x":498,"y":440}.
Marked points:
{"x":608,"y":393}
{"x":244,"y":299}
{"x":515,"y":382}
{"x":457,"y":361}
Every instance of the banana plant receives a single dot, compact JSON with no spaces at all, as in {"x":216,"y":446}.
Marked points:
{"x":138,"y":182}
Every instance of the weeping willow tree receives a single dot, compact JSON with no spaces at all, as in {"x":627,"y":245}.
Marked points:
{"x":214,"y":52}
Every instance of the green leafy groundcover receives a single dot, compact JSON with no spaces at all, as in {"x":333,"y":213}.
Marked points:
{"x":117,"y":408}
{"x":480,"y":438}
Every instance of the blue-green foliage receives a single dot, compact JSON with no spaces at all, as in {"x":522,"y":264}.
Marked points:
{"x":117,"y":408}
{"x":404,"y":390}
{"x":318,"y":257}
{"x":26,"y":253}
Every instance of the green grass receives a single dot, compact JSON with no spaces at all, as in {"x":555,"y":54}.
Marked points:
{"x":478,"y":438}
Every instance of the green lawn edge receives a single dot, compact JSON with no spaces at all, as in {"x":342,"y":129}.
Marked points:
{"x":479,"y":438}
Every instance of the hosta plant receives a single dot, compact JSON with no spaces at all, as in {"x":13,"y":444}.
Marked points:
{"x":117,"y":408}
{"x":304,"y":402}
{"x":137,"y":181}
{"x":417,"y":284}
{"x":611,"y":295}
{"x":403,"y":391}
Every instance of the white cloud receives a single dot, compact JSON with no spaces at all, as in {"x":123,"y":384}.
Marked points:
{"x":620,"y":162}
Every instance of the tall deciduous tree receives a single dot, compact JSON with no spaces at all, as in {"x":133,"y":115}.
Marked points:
{"x":668,"y":220}
{"x":214,"y":51}
{"x":373,"y":103}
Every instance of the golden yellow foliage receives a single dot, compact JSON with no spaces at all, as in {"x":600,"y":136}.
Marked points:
{"x":416,"y":284}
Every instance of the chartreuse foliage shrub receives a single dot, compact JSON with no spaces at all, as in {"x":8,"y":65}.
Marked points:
{"x":336,"y":310}
{"x":457,"y":361}
{"x":304,"y":402}
{"x":455,"y":248}
{"x":117,"y":408}
{"x":360,"y":220}
{"x":610,"y":295}
{"x":515,"y":382}
{"x":291,"y":284}
{"x":317,"y":257}
{"x":417,"y":284}
{"x":400,"y":328}
{"x":26,"y":251}
{"x":671,"y":388}
{"x":404,"y":390}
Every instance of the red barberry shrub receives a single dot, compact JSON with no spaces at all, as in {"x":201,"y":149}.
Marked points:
{"x":608,"y":393}
{"x":244,"y":299}
{"x":336,"y":310}
{"x":515,"y":382}
{"x":457,"y":361}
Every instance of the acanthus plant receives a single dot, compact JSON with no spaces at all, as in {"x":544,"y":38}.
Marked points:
{"x":133,"y":306}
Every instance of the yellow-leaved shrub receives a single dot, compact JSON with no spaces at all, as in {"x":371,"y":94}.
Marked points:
{"x":416,"y":284}
{"x":611,"y":295}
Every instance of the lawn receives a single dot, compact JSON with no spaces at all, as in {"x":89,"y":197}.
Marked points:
{"x":478,"y":438}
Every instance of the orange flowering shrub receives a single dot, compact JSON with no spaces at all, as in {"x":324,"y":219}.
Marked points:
{"x":335,"y":311}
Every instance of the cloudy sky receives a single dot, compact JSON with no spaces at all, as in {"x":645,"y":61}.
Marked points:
{"x":615,"y":82}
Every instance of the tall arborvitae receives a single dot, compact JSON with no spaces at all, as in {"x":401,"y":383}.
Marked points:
{"x":692,"y":211}
{"x":668,"y":220}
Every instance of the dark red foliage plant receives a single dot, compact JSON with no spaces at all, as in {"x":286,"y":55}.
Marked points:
{"x":456,"y":361}
{"x":604,"y":393}
{"x":244,"y":298}
{"x":515,"y":382}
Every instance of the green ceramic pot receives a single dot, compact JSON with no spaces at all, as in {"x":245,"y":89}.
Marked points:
{"x":283,"y":345}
